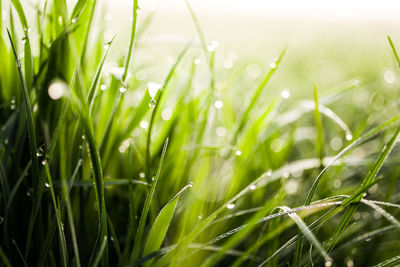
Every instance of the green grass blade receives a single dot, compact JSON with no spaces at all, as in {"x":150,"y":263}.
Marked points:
{"x":394,"y":51}
{"x":132,"y":40}
{"x":101,"y":251}
{"x":320,"y":147}
{"x":161,"y":224}
{"x":255,"y":97}
{"x":395,"y":261}
{"x":139,"y":234}
{"x":77,"y":9}
{"x":4,"y":258}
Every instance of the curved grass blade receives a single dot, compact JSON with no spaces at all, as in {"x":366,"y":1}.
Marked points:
{"x":161,"y":224}
{"x":138,"y":238}
{"x":101,"y":251}
{"x":394,"y":50}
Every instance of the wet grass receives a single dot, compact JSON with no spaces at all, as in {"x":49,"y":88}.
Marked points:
{"x":218,"y":164}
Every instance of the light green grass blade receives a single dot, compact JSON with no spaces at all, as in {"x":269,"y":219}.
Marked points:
{"x":100,"y":253}
{"x":395,"y":261}
{"x":161,"y":224}
{"x":320,"y":147}
{"x":77,"y":9}
{"x":396,"y":56}
{"x":4,"y":258}
{"x":256,"y":95}
{"x":132,"y":40}
{"x":139,"y":234}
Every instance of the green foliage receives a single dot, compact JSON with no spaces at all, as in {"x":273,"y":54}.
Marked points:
{"x":95,"y":162}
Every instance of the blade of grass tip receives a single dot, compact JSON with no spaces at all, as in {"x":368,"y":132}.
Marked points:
{"x":357,"y":196}
{"x":132,"y":39}
{"x":93,"y":86}
{"x":161,"y":223}
{"x":394,"y":51}
{"x":27,"y":47}
{"x":78,"y":8}
{"x":352,"y":145}
{"x":62,"y":240}
{"x":89,"y":27}
{"x":255,"y":97}
{"x":395,"y":261}
{"x":156,"y":106}
{"x":139,"y":234}
{"x":3,"y":256}
{"x":31,"y":137}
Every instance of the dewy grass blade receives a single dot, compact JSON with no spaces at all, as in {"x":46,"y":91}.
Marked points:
{"x":61,"y":235}
{"x":31,"y":137}
{"x":255,"y":97}
{"x":395,"y":261}
{"x":156,"y":107}
{"x":143,"y":217}
{"x":394,"y":51}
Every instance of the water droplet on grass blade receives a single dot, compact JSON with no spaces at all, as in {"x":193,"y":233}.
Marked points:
{"x":152,"y":103}
{"x":24,"y":39}
{"x":39,"y":152}
{"x":218,"y":104}
{"x":230,"y":206}
{"x":142,"y":175}
{"x":238,"y":153}
{"x":47,"y":185}
{"x":253,"y":187}
{"x":57,"y":89}
{"x":144,"y":124}
{"x":349,"y":136}
{"x":200,"y":216}
{"x":43,"y":162}
{"x":269,"y":172}
{"x":285,"y":94}
{"x":197,"y":61}
{"x":103,"y":87}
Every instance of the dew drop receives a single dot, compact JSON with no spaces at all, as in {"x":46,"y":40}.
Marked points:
{"x":218,"y":104}
{"x":122,"y":89}
{"x":24,"y":39}
{"x":197,"y":61}
{"x":74,"y":20}
{"x":47,"y":185}
{"x":230,"y":206}
{"x":272,"y":65}
{"x":152,"y":103}
{"x":190,"y":184}
{"x":39,"y":152}
{"x":285,"y":94}
{"x":144,"y":124}
{"x":103,"y":87}
{"x":253,"y":187}
{"x":349,"y":136}
{"x":200,"y":216}
{"x":238,"y":153}
{"x":328,"y":263}
{"x":12,"y":107}
{"x":43,"y":162}
{"x":269,"y":172}
{"x":142,"y":175}
{"x":83,"y":137}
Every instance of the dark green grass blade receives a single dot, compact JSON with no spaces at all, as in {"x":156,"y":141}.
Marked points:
{"x":143,"y":217}
{"x":61,"y":235}
{"x":320,"y":147}
{"x":32,"y":140}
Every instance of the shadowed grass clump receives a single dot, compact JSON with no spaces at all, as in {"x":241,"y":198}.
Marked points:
{"x":100,"y":164}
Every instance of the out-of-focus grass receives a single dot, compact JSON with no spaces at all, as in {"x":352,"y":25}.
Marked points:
{"x":126,"y":149}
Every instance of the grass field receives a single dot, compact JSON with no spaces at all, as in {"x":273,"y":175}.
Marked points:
{"x":123,"y":143}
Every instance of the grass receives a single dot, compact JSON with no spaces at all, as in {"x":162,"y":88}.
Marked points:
{"x":102,"y":166}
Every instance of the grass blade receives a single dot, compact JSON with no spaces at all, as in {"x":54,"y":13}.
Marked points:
{"x":139,"y":234}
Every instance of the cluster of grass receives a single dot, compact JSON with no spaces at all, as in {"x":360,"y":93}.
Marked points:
{"x":101,"y":167}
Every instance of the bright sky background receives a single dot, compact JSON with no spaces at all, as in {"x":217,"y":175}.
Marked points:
{"x":383,"y":10}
